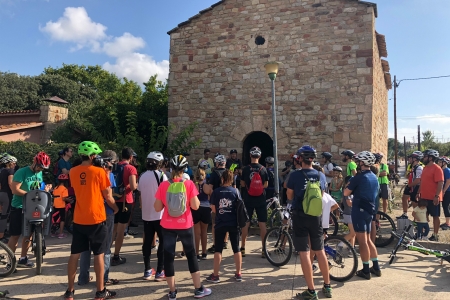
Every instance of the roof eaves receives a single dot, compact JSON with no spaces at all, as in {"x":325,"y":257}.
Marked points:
{"x":374,"y":5}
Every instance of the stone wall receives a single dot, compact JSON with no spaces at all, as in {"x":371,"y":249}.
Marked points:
{"x":52,"y":117}
{"x":324,"y":88}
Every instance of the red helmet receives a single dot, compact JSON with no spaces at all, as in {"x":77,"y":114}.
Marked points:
{"x":42,"y":160}
{"x":63,"y":177}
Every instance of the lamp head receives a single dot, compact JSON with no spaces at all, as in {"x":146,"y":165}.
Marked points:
{"x":272,"y":69}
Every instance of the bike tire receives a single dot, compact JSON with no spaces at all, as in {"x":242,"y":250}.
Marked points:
{"x":268,"y":247}
{"x":38,"y":250}
{"x":334,"y":225}
{"x":5,"y":272}
{"x":394,"y":252}
{"x":384,"y":231}
{"x":275,"y":218}
{"x":348,"y":255}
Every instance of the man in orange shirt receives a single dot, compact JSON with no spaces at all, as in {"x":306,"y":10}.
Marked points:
{"x":430,"y":189}
{"x":91,"y":185}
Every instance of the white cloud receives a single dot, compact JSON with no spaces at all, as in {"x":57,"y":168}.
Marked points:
{"x":435,"y":118}
{"x":75,"y":26}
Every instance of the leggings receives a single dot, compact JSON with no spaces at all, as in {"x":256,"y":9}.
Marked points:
{"x":186,"y":237}
{"x":220,"y":236}
{"x":150,"y":227}
{"x":4,"y":203}
{"x":445,"y":204}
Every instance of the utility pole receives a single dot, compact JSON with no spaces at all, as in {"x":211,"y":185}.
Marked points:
{"x":395,"y":125}
{"x":404,"y":149}
{"x":418,"y":137}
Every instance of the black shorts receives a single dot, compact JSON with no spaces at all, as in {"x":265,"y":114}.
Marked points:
{"x":406,"y":191}
{"x":15,"y":221}
{"x":413,"y":194}
{"x":219,"y":236}
{"x":202,"y":214}
{"x":121,"y":216}
{"x":259,"y":208}
{"x":93,"y":237}
{"x":362,"y":220}
{"x":307,"y":228}
{"x":384,"y":193}
{"x":433,"y":210}
{"x":62,"y":213}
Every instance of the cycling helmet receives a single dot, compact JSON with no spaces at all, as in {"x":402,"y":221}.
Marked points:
{"x":88,"y":148}
{"x":338,"y":169}
{"x":366,"y":157}
{"x":378,"y":156}
{"x":8,"y":159}
{"x":204,"y":165}
{"x":42,"y":160}
{"x":348,"y":153}
{"x":270,"y":160}
{"x":431,"y":152}
{"x":307,"y":152}
{"x":220,"y":159}
{"x":63,"y":177}
{"x":417,"y":155}
{"x":255,"y":151}
{"x":179,"y":162}
{"x":156,"y":155}
{"x":233,"y":151}
{"x":134,"y":154}
{"x":327,"y":155}
{"x":316,"y":163}
{"x":217,"y":154}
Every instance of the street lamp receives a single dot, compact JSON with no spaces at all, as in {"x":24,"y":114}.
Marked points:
{"x":272,"y":71}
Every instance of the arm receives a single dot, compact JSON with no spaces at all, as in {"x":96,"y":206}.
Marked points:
{"x":64,"y":171}
{"x":414,"y":215}
{"x":242,"y":183}
{"x":10,"y":181}
{"x":16,"y":190}
{"x":290,"y":194}
{"x":158,"y":205}
{"x":438,"y":192}
{"x":207,"y":189}
{"x":213,"y":208}
{"x":194,"y":203}
{"x":107,"y":195}
{"x":266,"y":184}
{"x":354,"y":172}
{"x":446,"y":186}
{"x":334,"y":207}
{"x":347,"y":192}
{"x":414,"y":183}
{"x":133,"y":182}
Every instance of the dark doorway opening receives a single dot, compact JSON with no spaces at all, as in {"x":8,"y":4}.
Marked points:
{"x":260,"y":139}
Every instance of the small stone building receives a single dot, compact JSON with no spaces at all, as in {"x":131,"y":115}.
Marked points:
{"x":331,"y":89}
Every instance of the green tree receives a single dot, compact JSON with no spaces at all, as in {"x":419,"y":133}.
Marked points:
{"x":427,"y":140}
{"x":18,"y":92}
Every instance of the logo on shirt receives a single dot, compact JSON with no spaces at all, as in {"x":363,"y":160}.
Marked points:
{"x":225,"y":205}
{"x":83,"y":178}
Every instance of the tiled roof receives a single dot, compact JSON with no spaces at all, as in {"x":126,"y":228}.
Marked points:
{"x":16,"y":112}
{"x":14,"y":127}
{"x":56,"y":99}
{"x":374,"y":5}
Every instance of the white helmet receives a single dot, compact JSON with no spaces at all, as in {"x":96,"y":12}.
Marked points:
{"x":204,"y":164}
{"x":220,"y":159}
{"x":255,"y":151}
{"x":8,"y":159}
{"x":366,"y":157}
{"x":179,"y":162}
{"x":431,"y":152}
{"x":156,"y":155}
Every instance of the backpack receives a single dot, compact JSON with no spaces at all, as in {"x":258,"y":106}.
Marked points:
{"x":119,"y":190}
{"x":334,"y":165}
{"x":271,"y":178}
{"x":176,"y":198}
{"x":312,"y":200}
{"x":256,"y":187}
{"x":241,"y":214}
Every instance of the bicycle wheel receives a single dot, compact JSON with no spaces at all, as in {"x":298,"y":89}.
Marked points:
{"x":384,"y":226}
{"x":342,"y":258}
{"x":275,"y":218}
{"x":7,"y":260}
{"x":278,"y":246}
{"x":334,"y":225}
{"x":38,"y":250}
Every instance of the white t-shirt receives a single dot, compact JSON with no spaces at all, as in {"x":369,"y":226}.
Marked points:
{"x":421,"y":215}
{"x":148,"y":185}
{"x":328,"y":169}
{"x":327,"y":203}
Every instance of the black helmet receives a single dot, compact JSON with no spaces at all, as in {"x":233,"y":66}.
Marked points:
{"x":307,"y":152}
{"x":233,"y":151}
{"x":327,"y":155}
{"x":348,"y":153}
{"x":270,"y":160}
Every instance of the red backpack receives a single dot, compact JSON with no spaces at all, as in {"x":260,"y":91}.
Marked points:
{"x":256,"y":187}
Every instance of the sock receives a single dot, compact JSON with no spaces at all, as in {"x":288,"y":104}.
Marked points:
{"x":311,"y":291}
{"x":327,"y":285}
{"x":376,"y":266}
{"x":366,"y":268}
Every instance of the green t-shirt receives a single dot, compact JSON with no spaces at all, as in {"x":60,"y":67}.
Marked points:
{"x":350,"y":167}
{"x":384,"y":179}
{"x":28,"y":178}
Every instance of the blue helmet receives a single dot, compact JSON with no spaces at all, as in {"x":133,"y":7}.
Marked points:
{"x":307,"y":152}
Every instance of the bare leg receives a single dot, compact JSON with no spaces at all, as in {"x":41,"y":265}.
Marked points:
{"x":119,"y":238}
{"x":436,"y":225}
{"x":217,"y":261}
{"x":12,"y":243}
{"x":363,"y":246}
{"x":196,"y":279}
{"x":171,"y":283}
{"x":99,"y":267}
{"x":405,"y":199}
{"x":244,"y":235}
{"x":26,"y":243}
{"x":372,"y":249}
{"x":373,"y":232}
{"x":204,"y":236}
{"x":238,"y":262}
{"x":197,"y":234}
{"x":323,"y":265}
{"x":72,"y":270}
{"x":307,"y":269}
{"x":262,"y":231}
{"x":351,"y":236}
{"x":61,"y":227}
{"x":385,"y":205}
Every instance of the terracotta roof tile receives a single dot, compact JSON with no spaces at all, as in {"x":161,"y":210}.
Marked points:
{"x":15,"y":112}
{"x":20,"y":126}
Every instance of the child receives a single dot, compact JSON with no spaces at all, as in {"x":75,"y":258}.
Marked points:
{"x":61,"y":195}
{"x":336,"y":186}
{"x":421,"y":218}
{"x":223,"y":203}
{"x":347,"y":203}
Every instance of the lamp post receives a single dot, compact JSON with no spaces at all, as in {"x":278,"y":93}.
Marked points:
{"x":272,"y":71}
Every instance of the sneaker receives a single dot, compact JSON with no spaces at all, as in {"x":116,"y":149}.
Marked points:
{"x":212,"y":278}
{"x":105,"y":294}
{"x":243,"y":252}
{"x":202,"y":292}
{"x":434,"y":238}
{"x":424,"y":238}
{"x":361,"y":274}
{"x":212,"y":249}
{"x":199,"y":258}
{"x":315,"y":268}
{"x":375,"y":272}
{"x":204,"y":256}
{"x":238,"y":277}
{"x":118,"y":260}
{"x":306,"y":295}
{"x":4,"y":240}
{"x":172,"y":295}
{"x":181,"y":255}
{"x":128,"y":236}
{"x":68,"y":295}
{"x":62,"y":235}
{"x":160,"y":276}
{"x":263,"y":254}
{"x":403,"y":216}
{"x":54,"y":235}
{"x":25,"y":263}
{"x":131,"y":232}
{"x":327,"y":292}
{"x":225,"y":245}
{"x":445,"y":226}
{"x":148,"y":275}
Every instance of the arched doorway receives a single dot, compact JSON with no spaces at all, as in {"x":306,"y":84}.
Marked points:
{"x":260,"y":139}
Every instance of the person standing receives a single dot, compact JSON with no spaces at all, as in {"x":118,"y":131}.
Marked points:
{"x":233,"y":162}
{"x":202,"y":216}
{"x":414,"y":180}
{"x":327,"y":166}
{"x":347,"y":157}
{"x":364,"y":187}
{"x":6,"y":179}
{"x":92,"y":187}
{"x":431,"y":186}
{"x":209,"y":161}
{"x":383,"y":179}
{"x":178,"y":224}
{"x":254,"y":180}
{"x":444,"y":162}
{"x":64,"y":163}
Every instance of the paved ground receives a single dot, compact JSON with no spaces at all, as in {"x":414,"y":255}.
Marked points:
{"x":413,"y":275}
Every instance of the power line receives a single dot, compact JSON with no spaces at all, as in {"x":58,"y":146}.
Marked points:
{"x":424,"y":78}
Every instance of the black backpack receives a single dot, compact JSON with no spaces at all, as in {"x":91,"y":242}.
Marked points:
{"x":241,"y":213}
{"x":271,"y":178}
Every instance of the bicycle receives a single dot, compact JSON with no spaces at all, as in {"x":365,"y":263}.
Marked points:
{"x":409,"y":243}
{"x":37,"y":210}
{"x":7,"y":260}
{"x":384,"y":227}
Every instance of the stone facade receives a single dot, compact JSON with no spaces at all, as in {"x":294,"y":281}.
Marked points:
{"x":330,"y":91}
{"x":52,"y":116}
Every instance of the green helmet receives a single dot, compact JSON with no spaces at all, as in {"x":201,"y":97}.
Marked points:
{"x":88,"y":148}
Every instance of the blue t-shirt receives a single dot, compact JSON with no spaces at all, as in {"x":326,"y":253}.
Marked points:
{"x":109,"y":210}
{"x":298,"y":181}
{"x":224,"y":199}
{"x":365,"y":189}
{"x":62,"y":164}
{"x":446,"y":177}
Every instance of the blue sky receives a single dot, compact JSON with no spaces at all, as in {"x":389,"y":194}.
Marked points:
{"x":129,"y":38}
